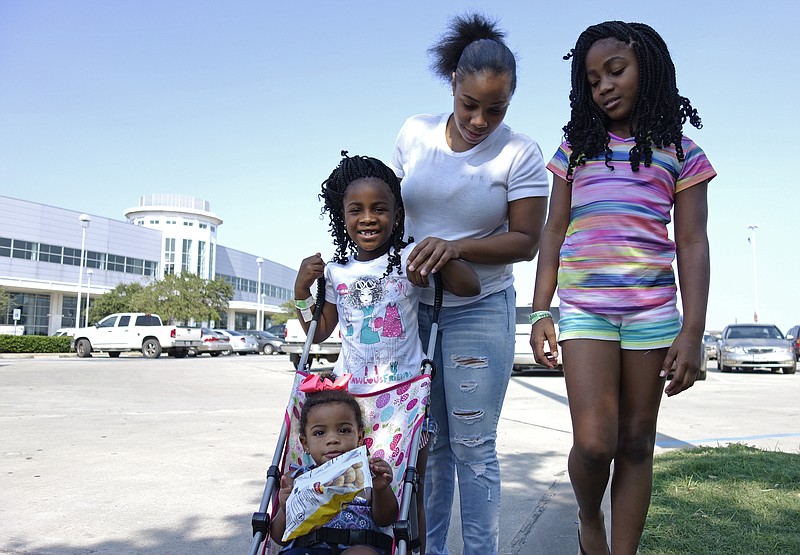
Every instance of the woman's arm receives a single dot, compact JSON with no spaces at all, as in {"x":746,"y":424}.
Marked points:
{"x":694,"y":270}
{"x":520,"y":242}
{"x":460,"y":279}
{"x":555,"y":229}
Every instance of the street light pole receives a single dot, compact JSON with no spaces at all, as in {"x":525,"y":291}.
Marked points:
{"x":752,"y":241}
{"x":84,"y":219}
{"x":88,"y":291}
{"x":259,"y":261}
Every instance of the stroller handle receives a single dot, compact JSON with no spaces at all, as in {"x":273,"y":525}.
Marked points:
{"x":312,"y":326}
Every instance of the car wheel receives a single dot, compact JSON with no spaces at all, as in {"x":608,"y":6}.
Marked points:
{"x":114,"y":354}
{"x":151,"y":348}
{"x":723,"y":368}
{"x":790,"y":369}
{"x":215,"y":354}
{"x":268,"y":349}
{"x":226,"y":352}
{"x":83,"y":348}
{"x":242,"y":353}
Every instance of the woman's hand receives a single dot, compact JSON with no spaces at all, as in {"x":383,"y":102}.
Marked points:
{"x":684,"y":354}
{"x":430,"y":255}
{"x":544,"y":342}
{"x":382,"y":475}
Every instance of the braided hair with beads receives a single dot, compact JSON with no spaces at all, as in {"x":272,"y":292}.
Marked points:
{"x":658,"y":114}
{"x":352,"y":168}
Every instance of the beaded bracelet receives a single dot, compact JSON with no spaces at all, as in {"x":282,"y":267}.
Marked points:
{"x":539,"y":315}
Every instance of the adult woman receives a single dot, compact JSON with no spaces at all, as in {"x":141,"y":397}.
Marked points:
{"x":475,"y":190}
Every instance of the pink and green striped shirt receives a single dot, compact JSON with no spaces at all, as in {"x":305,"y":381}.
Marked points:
{"x":617,"y":255}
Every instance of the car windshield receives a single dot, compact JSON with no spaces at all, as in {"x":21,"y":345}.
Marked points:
{"x":754,"y":332}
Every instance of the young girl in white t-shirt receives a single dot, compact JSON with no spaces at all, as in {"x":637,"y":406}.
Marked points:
{"x":367,"y":290}
{"x":367,"y":287}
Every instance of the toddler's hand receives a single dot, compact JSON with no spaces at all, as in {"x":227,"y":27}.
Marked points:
{"x":382,"y":475}
{"x":287,"y":482}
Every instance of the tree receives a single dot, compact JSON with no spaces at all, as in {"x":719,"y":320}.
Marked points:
{"x":185,"y":297}
{"x":287,"y":311}
{"x":5,"y":301}
{"x":125,"y":297}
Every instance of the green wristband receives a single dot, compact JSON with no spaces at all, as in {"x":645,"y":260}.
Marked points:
{"x":539,"y":315}
{"x":303,"y":305}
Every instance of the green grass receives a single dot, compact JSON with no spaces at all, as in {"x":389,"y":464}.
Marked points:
{"x":734,"y":499}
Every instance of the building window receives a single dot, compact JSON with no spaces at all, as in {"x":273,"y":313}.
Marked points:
{"x":72,"y":257}
{"x":201,"y":259}
{"x":116,"y":263}
{"x":213,"y":229}
{"x":188,"y":224}
{"x":186,"y":255}
{"x":5,"y":246}
{"x":202,"y":226}
{"x":35,"y":311}
{"x":96,"y":260}
{"x":24,"y":249}
{"x":150,"y":268}
{"x":134,"y":266}
{"x":68,"y":311}
{"x":50,"y":253}
{"x":154,"y":222}
{"x":169,"y":256}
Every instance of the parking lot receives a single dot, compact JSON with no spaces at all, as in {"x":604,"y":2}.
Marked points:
{"x":168,"y":456}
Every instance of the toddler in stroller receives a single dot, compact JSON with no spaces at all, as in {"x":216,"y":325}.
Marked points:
{"x":331,"y":424}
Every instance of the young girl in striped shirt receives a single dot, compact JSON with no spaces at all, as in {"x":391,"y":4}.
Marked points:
{"x":623,"y":167}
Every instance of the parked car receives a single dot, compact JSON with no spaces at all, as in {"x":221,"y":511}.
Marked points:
{"x":793,"y":335}
{"x":296,"y":339}
{"x":710,"y":344}
{"x":755,"y":346}
{"x":242,"y":344}
{"x":214,"y":343}
{"x":523,"y":353}
{"x":278,"y":330}
{"x":135,"y":331}
{"x":268,"y":343}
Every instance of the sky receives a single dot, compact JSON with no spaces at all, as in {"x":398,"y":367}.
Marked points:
{"x":247,"y":104}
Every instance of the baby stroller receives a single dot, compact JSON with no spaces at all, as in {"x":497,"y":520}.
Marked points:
{"x":394,"y":418}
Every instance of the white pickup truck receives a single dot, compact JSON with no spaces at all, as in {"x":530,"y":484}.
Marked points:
{"x":295,"y":339}
{"x":135,"y":331}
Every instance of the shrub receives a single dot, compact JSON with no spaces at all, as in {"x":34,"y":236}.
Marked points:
{"x":34,"y":344}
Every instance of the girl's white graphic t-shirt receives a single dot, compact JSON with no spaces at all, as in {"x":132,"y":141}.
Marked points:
{"x":377,"y":322}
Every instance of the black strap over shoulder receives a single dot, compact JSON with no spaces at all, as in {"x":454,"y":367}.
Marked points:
{"x":336,"y":536}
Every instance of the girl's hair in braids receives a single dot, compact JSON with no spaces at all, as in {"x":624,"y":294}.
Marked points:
{"x":326,"y":397}
{"x":350,"y":169}
{"x":472,"y":44}
{"x":658,"y":114}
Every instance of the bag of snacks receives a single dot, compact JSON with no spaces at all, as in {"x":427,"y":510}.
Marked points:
{"x":320,"y":493}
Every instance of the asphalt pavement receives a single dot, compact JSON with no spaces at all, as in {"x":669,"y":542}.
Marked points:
{"x":168,"y":456}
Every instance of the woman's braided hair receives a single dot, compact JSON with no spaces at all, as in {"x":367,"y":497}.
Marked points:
{"x":352,"y":168}
{"x":658,"y":114}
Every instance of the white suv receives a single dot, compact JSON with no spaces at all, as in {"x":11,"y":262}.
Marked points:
{"x":523,"y":353}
